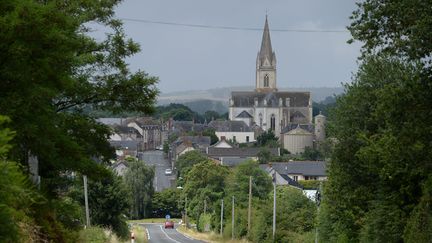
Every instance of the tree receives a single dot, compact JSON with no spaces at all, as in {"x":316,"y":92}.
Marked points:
{"x":186,"y":161}
{"x":268,"y":138}
{"x":109,"y":202}
{"x":238,"y":182}
{"x":48,"y":57}
{"x":204,"y":182}
{"x":381,"y":152}
{"x":167,"y":202}
{"x":139,"y":181}
{"x":399,"y":28}
{"x":379,"y":171}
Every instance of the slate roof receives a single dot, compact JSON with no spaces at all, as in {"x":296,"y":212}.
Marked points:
{"x":247,"y":98}
{"x":292,"y":126}
{"x":203,"y":141}
{"x":110,"y":121}
{"x":125,"y":144}
{"x":230,"y":126}
{"x":238,"y":152}
{"x":266,"y":50}
{"x":187,"y":126}
{"x":125,"y":130}
{"x":306,"y":168}
{"x":291,"y":181}
{"x":244,"y":114}
{"x":232,"y":161}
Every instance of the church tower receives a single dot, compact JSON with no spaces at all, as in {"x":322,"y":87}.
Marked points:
{"x":266,"y":64}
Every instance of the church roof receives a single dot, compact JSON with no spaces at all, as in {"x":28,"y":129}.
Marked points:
{"x":247,"y":98}
{"x":299,"y":131}
{"x":244,"y":114}
{"x":230,"y":126}
{"x":292,"y":126}
{"x":266,"y":50}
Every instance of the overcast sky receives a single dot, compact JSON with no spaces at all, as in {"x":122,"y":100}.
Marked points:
{"x":189,"y":58}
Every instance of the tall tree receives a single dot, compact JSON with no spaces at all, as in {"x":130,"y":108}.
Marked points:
{"x":139,"y":181}
{"x":51,"y":68}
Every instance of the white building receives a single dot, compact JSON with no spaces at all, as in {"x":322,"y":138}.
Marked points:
{"x":234,"y":131}
{"x":266,"y":106}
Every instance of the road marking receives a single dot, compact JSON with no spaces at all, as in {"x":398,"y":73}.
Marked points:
{"x":148,"y":234}
{"x":167,"y":235}
{"x":190,"y":238}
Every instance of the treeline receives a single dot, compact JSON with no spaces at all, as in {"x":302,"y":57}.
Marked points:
{"x":205,"y":184}
{"x":380,"y":182}
{"x":51,"y":70}
{"x":178,"y":112}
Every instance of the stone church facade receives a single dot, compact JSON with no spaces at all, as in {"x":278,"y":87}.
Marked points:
{"x":265,"y":106}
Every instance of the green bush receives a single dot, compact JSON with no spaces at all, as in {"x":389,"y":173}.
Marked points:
{"x":93,"y":235}
{"x":310,"y":184}
{"x":204,"y":219}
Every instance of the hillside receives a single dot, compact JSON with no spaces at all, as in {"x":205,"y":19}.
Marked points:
{"x":217,"y":99}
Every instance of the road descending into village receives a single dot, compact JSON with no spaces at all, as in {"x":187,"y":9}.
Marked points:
{"x":156,"y":158}
{"x":158,"y":234}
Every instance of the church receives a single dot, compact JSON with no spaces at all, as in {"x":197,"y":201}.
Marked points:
{"x":267,"y":107}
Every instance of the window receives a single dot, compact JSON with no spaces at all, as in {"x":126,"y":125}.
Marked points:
{"x":247,"y":139}
{"x":266,"y":80}
{"x":234,"y":139}
{"x":272,"y":122}
{"x":295,"y":178}
{"x":261,"y":119}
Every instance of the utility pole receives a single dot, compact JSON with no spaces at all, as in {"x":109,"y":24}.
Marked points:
{"x":318,"y":202}
{"x":86,"y":201}
{"x":186,"y":212}
{"x":250,"y":205}
{"x":274,"y":204}
{"x":205,"y":206}
{"x":232,"y":219}
{"x":221,"y":228}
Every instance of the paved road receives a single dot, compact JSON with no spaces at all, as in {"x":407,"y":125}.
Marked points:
{"x":157,"y":234}
{"x":156,"y":158}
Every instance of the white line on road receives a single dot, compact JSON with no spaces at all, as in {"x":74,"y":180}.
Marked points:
{"x":148,"y":234}
{"x":167,"y":234}
{"x":190,"y":238}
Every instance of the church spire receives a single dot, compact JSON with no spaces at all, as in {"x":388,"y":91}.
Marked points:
{"x":266,"y":64}
{"x":266,"y":50}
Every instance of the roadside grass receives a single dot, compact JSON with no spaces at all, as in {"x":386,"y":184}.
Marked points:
{"x":101,"y":235}
{"x":210,"y":237}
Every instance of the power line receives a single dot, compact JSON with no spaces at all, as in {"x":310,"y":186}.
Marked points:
{"x":231,"y":27}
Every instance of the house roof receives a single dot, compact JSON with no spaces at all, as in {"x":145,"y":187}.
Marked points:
{"x":291,"y":181}
{"x":181,"y":147}
{"x":244,"y":114}
{"x":203,"y":141}
{"x":110,"y":121}
{"x":247,"y":98}
{"x":187,"y":126}
{"x":222,"y":141}
{"x":230,"y":126}
{"x":292,"y":126}
{"x":231,"y":161}
{"x":125,"y":144}
{"x":299,"y":131}
{"x":306,"y":168}
{"x":125,"y":129}
{"x":238,"y":152}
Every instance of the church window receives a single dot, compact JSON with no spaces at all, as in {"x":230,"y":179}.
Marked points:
{"x":272,"y":122}
{"x":266,"y":80}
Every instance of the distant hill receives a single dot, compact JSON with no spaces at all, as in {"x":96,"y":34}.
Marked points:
{"x":217,"y":99}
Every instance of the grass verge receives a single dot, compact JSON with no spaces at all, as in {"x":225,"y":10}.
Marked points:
{"x":210,"y":237}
